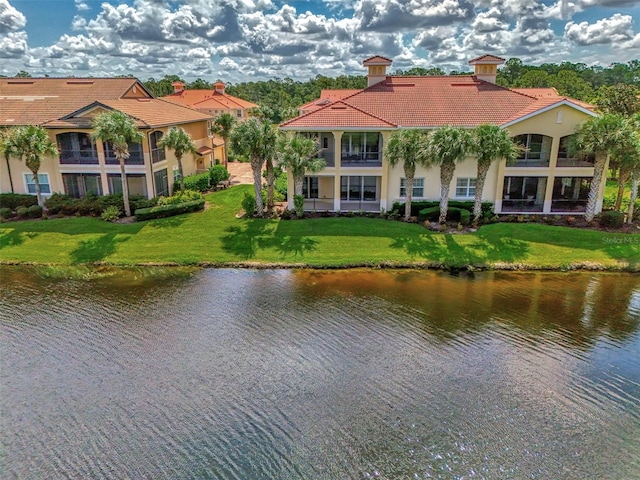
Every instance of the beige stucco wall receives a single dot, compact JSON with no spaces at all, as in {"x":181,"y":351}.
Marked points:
{"x":52,"y":166}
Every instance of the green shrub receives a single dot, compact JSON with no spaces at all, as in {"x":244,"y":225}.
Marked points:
{"x":163,"y":211}
{"x":218,"y":174}
{"x":398,"y":207}
{"x":199,"y":183}
{"x":180,"y":197}
{"x":249,"y":204}
{"x":453,"y":214}
{"x":612,"y":219}
{"x":34,"y":211}
{"x":15,"y":200}
{"x":110,"y":214}
{"x":281,"y":183}
{"x":59,"y":201}
{"x":21,"y":212}
{"x":5,"y":212}
{"x":298,"y":202}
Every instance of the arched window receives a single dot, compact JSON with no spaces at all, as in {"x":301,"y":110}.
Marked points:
{"x":157,"y":153}
{"x":568,"y":159}
{"x":537,"y":150}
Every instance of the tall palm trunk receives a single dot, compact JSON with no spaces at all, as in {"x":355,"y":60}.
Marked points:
{"x":256,"y":166}
{"x":226,"y":149}
{"x":38,"y":192}
{"x":409,"y":173}
{"x":271,"y":180}
{"x":623,"y":178}
{"x":483,"y":169}
{"x":592,"y":198}
{"x":447,"y":170}
{"x":635,"y":184}
{"x":6,"y":157}
{"x":298,"y":182}
{"x":125,"y":187}
{"x":179,"y":158}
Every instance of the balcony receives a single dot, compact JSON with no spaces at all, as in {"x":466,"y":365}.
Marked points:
{"x":85,"y":156}
{"x":532,"y":159}
{"x":328,"y":156}
{"x":363,"y":159}
{"x":575,"y":162}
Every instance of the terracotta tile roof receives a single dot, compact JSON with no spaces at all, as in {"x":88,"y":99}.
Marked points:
{"x":338,"y":115}
{"x":425,"y":102}
{"x":550,"y":93}
{"x":148,"y":113}
{"x":34,"y":101}
{"x":327,"y":97}
{"x":486,"y":59}
{"x":377,"y":60}
{"x":208,"y":99}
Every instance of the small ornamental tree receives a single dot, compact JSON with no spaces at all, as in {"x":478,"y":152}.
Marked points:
{"x":180,"y":142}
{"x":31,"y":143}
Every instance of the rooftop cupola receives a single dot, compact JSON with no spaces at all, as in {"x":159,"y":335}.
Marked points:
{"x":219,"y":87}
{"x":178,"y":87}
{"x":486,"y":67}
{"x":377,"y":69}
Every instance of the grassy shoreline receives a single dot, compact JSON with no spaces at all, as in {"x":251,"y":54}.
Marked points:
{"x":216,"y":238}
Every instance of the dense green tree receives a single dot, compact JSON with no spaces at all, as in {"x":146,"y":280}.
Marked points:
{"x":407,"y":147}
{"x":602,"y":137}
{"x":180,"y":142}
{"x":8,"y":149}
{"x":420,"y":72}
{"x":163,"y":87}
{"x":490,"y":143}
{"x":223,"y":126}
{"x":30,"y":143}
{"x":569,"y":83}
{"x":620,"y":98}
{"x":118,"y":129}
{"x":298,"y":154}
{"x":446,"y":147}
{"x":533,"y":79}
{"x":199,"y":84}
{"x":255,"y":140}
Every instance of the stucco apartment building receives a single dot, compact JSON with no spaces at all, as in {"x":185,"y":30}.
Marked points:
{"x":353,"y":128}
{"x":66,"y":107}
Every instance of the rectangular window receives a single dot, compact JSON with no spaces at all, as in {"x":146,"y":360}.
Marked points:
{"x":310,"y":187}
{"x":239,"y":113}
{"x":418,"y":188}
{"x":465,"y":187}
{"x":136,"y":182}
{"x":356,"y":188}
{"x":43,"y":180}
{"x":79,"y":184}
{"x":161,"y":182}
{"x":135,"y":155}
{"x":570,"y":194}
{"x":523,"y":194}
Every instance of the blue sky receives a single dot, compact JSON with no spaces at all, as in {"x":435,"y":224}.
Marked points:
{"x":238,"y":40}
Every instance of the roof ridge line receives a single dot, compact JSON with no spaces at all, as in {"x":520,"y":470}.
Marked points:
{"x":362,"y":111}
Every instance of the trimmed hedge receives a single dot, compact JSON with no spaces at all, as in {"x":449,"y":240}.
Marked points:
{"x":15,"y":200}
{"x":199,"y":183}
{"x":168,"y":210}
{"x":93,"y":205}
{"x":453,"y":214}
{"x":218,"y":174}
{"x":611,"y":218}
{"x":487,"y":207}
{"x":5,"y":212}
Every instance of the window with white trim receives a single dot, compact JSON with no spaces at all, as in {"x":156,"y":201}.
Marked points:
{"x":466,"y":187}
{"x":43,"y":180}
{"x":418,"y":188}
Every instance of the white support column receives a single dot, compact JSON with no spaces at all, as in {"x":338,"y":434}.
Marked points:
{"x":337,"y":156}
{"x":384,"y":181}
{"x":553,"y":161}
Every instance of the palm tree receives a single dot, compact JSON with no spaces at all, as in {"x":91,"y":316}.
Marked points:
{"x":31,"y":143}
{"x":634,"y":168}
{"x":602,"y":137}
{"x":255,"y":140}
{"x":7,"y":147}
{"x":407,"y":146}
{"x":298,"y":154}
{"x":446,"y":147}
{"x":119,"y":129}
{"x":222,"y":126}
{"x":489,"y":144}
{"x":180,"y":142}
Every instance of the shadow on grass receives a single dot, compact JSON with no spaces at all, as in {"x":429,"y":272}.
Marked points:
{"x":14,"y":238}
{"x":258,"y":234}
{"x":90,"y":251}
{"x":446,"y":249}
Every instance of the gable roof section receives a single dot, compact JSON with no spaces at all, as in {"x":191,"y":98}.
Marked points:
{"x":148,"y":113}
{"x":430,"y":102}
{"x":328,"y":96}
{"x":338,"y":115}
{"x":546,"y":104}
{"x":377,"y":60}
{"x":208,"y":99}
{"x":492,"y":59}
{"x":35,"y":101}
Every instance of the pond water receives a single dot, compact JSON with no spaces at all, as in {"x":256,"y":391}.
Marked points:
{"x":280,"y":374}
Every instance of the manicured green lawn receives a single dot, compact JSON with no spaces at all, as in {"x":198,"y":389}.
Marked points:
{"x":217,"y":236}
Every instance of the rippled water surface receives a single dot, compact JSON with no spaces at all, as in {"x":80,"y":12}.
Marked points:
{"x":242,"y":374}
